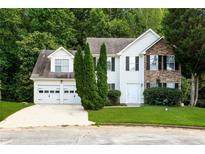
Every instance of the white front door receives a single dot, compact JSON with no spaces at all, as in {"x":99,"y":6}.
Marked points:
{"x":133,"y":93}
{"x":70,"y":95}
{"x":48,"y":94}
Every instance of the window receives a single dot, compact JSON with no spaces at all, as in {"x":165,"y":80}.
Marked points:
{"x":62,"y":65}
{"x":132,"y":63}
{"x":66,"y":91}
{"x":71,"y":91}
{"x":51,"y":91}
{"x":109,"y":64}
{"x":153,"y":62}
{"x":170,"y":63}
{"x":153,"y":84}
{"x":40,"y":91}
{"x":57,"y":91}
{"x":170,"y":85}
{"x":111,"y":86}
{"x":46,"y":91}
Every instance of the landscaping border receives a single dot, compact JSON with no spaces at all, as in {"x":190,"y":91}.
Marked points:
{"x":150,"y":125}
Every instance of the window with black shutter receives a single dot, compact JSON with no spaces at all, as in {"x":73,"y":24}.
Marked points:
{"x":113,"y":63}
{"x":165,"y":62}
{"x":160,"y":62}
{"x":127,"y":62}
{"x":137,"y":63}
{"x":164,"y":85}
{"x":176,"y":85}
{"x":148,"y":62}
{"x":148,"y":85}
{"x":176,"y":65}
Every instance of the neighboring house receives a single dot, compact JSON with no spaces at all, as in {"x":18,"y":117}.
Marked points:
{"x":133,"y":65}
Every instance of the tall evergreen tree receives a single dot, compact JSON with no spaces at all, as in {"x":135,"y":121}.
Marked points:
{"x":91,"y":99}
{"x":102,"y":74}
{"x":185,"y":28}
{"x":79,"y":72}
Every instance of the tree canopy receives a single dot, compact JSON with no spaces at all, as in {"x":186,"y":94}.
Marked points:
{"x":23,"y":33}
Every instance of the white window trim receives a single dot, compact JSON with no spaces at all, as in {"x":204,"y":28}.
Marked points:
{"x":170,"y":85}
{"x":168,"y":68}
{"x":61,"y":65}
{"x":157,"y":62}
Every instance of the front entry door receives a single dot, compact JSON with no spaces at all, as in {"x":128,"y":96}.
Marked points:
{"x":133,"y":93}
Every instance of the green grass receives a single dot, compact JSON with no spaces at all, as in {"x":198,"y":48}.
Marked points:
{"x":8,"y":108}
{"x":186,"y":116}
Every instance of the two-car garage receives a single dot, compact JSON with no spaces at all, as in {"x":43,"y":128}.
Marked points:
{"x":55,"y":93}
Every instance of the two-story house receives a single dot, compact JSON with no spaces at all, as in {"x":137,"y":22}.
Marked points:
{"x":133,"y":65}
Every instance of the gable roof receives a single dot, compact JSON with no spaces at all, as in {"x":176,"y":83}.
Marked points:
{"x":61,"y":48}
{"x":42,"y":67}
{"x":114,"y":45}
{"x":151,"y":45}
{"x":143,"y":34}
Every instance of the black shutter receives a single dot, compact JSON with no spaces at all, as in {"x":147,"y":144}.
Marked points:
{"x":160,"y":62}
{"x":176,"y":85}
{"x":165,"y":62}
{"x":148,"y":85}
{"x":176,"y":65}
{"x":137,"y":63}
{"x":148,"y":62}
{"x":164,"y":85}
{"x":113,"y":63}
{"x":127,"y":63}
{"x":159,"y":84}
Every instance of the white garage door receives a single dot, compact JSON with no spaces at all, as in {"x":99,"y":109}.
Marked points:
{"x":70,"y":95}
{"x":133,"y":93}
{"x":48,"y":94}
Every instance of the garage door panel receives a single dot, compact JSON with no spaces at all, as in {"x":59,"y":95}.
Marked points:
{"x":70,"y":95}
{"x":48,"y":94}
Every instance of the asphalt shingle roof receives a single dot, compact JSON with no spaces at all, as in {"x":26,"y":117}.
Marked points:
{"x":114,"y":45}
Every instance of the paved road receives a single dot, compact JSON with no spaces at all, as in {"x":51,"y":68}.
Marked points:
{"x":101,"y":135}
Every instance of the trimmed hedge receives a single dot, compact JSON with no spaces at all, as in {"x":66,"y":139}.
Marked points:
{"x":162,"y":96}
{"x":114,"y":97}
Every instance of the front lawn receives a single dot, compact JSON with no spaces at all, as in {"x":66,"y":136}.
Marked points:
{"x":8,"y":108}
{"x":186,"y":116}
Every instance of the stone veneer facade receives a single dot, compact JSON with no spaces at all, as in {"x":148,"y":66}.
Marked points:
{"x":161,"y":48}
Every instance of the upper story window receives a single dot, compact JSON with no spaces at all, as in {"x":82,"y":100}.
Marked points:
{"x":132,"y":63}
{"x":153,"y":62}
{"x":111,"y":86}
{"x":170,"y":62}
{"x":61,"y":65}
{"x":111,"y":64}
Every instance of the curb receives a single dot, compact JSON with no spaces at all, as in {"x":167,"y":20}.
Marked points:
{"x":150,"y":125}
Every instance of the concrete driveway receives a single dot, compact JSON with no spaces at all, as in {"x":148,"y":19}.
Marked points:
{"x":108,"y":135}
{"x":47,"y":115}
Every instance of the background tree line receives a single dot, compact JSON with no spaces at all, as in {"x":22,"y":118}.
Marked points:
{"x":25,"y":32}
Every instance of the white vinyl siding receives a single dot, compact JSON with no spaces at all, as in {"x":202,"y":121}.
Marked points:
{"x":61,"y":65}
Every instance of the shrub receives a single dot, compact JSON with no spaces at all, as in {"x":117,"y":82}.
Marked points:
{"x":162,"y":96}
{"x":114,"y":97}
